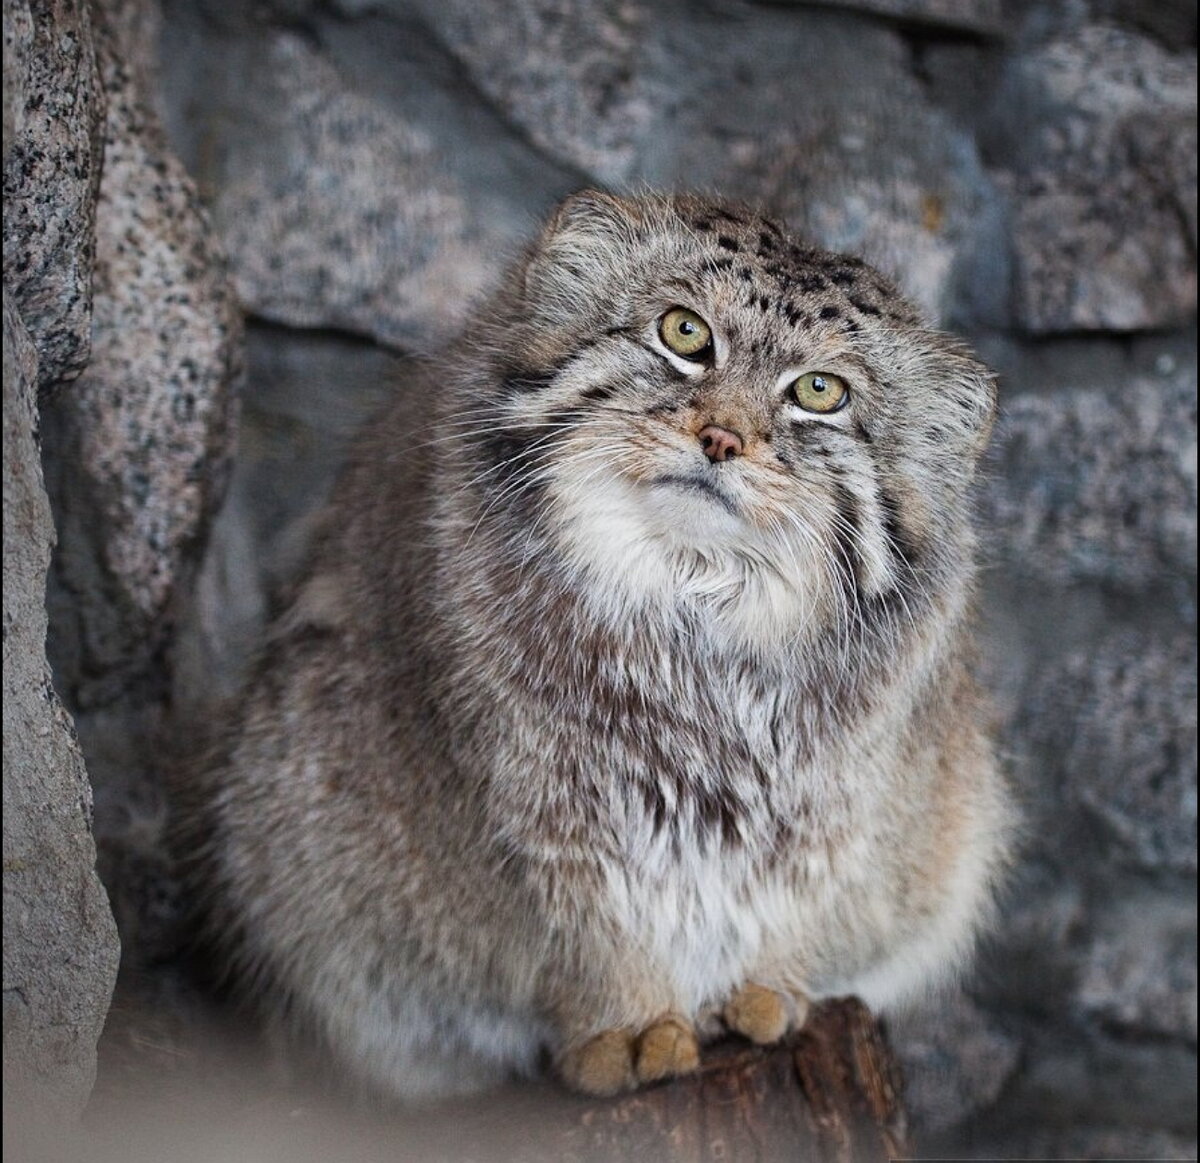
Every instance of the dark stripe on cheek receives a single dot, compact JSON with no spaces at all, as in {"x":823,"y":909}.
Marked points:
{"x":598,"y":392}
{"x":508,"y":452}
{"x":526,"y":382}
{"x":510,"y":475}
{"x":903,"y":543}
{"x":846,"y":531}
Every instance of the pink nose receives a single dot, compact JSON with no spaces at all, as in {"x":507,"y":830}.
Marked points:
{"x":720,"y":443}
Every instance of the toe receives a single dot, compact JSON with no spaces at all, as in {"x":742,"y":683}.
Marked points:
{"x":603,"y":1065}
{"x":665,"y":1049}
{"x":757,"y":1013}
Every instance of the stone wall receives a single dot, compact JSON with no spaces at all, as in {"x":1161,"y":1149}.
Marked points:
{"x":1026,"y":170}
{"x":1028,"y":173}
{"x":122,"y":347}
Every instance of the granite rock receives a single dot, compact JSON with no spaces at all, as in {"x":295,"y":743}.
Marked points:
{"x":571,"y":74}
{"x":1138,"y":976}
{"x":982,"y":17}
{"x":1097,"y":1142}
{"x":55,"y":105}
{"x":1171,"y":22}
{"x":139,"y":449}
{"x":336,"y":212}
{"x":955,"y":1060}
{"x":1099,"y":131}
{"x":1116,"y":719}
{"x":60,"y":943}
{"x":1098,"y":485}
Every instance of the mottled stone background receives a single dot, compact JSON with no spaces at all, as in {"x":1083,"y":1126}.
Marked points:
{"x":215,"y":200}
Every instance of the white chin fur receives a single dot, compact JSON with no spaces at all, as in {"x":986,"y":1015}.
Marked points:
{"x":677,"y":556}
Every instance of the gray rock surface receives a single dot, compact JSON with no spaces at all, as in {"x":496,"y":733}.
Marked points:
{"x":1100,"y":130}
{"x":1115,"y":717}
{"x":60,"y":943}
{"x":985,"y":17}
{"x":572,"y":74}
{"x":53,"y":110}
{"x":337,"y":212}
{"x":1074,"y":1143}
{"x":955,"y":1060}
{"x":1139,"y":973}
{"x":1098,"y":484}
{"x":140,"y":446}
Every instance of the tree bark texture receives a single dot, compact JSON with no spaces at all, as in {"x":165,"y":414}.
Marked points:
{"x":831,"y":1092}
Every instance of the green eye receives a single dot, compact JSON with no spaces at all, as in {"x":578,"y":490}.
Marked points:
{"x":685,"y":333}
{"x":820,"y":392}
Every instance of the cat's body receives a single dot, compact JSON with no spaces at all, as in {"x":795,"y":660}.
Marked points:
{"x":624,"y":690}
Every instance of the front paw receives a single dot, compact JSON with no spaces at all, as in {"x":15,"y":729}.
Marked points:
{"x":617,"y":1060}
{"x":602,"y":1065}
{"x":666,"y":1049}
{"x":763,"y":1015}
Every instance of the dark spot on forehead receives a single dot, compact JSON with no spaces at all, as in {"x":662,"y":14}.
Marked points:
{"x":810,"y":283}
{"x":728,"y":215}
{"x":724,"y":263}
{"x":745,"y":274}
{"x":765,"y":243}
{"x":863,"y":306}
{"x":829,"y":312}
{"x":792,"y":314}
{"x":727,"y":243}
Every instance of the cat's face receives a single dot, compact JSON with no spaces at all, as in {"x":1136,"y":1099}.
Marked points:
{"x":706,"y":411}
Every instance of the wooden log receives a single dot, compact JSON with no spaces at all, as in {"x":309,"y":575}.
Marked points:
{"x":829,"y":1093}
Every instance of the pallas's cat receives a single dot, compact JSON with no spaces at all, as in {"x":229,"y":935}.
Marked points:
{"x":627,"y":697}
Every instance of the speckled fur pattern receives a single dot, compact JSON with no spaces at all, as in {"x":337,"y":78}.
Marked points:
{"x":571,"y":739}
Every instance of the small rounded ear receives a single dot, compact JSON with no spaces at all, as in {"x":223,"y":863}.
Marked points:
{"x":580,"y":250}
{"x":968,"y":388}
{"x":592,"y":214}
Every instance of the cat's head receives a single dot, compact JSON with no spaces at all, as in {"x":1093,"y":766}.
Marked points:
{"x":687,"y":405}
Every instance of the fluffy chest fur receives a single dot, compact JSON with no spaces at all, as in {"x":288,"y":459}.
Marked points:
{"x":705,"y":806}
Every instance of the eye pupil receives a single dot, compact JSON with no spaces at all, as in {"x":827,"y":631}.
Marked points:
{"x":819,"y":385}
{"x":686,"y":327}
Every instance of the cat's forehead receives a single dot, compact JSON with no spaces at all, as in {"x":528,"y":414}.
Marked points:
{"x":752,"y":262}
